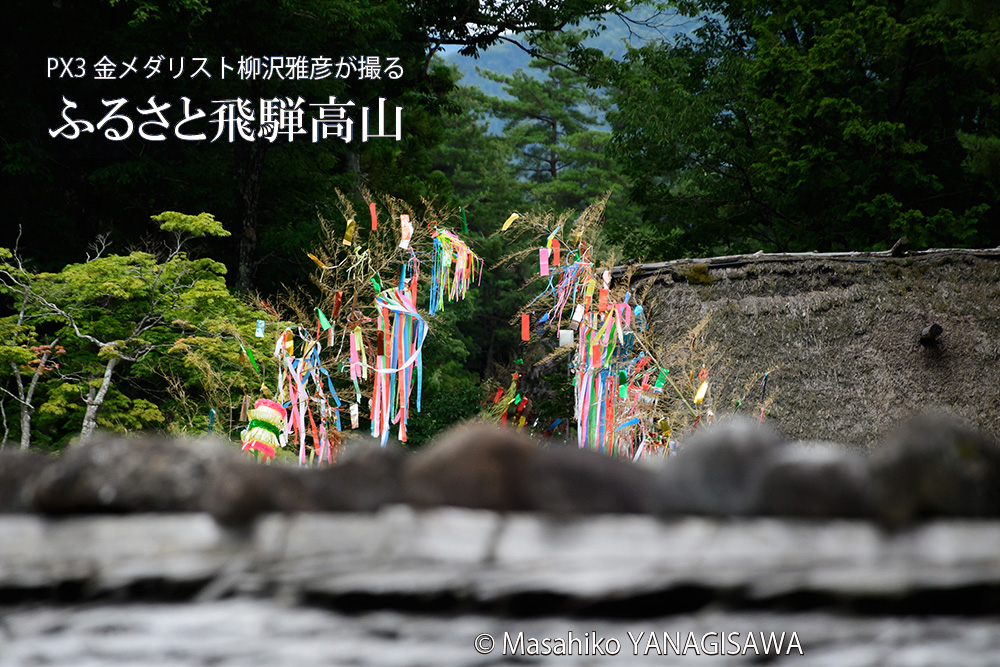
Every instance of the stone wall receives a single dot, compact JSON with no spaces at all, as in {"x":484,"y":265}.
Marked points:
{"x":159,"y":551}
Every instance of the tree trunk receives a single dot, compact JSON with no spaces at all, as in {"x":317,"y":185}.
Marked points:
{"x":95,"y":399}
{"x":26,"y":408}
{"x":249,"y":165}
{"x":26,"y":411}
{"x":25,"y":397}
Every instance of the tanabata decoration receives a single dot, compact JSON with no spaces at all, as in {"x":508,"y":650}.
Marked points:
{"x":320,"y":264}
{"x":612,"y":389}
{"x":454,"y":268}
{"x":359,"y":361}
{"x":266,"y":430}
{"x":323,"y":322}
{"x":349,"y":232}
{"x":497,"y":411}
{"x":309,"y":389}
{"x":596,"y":381}
{"x":406,"y":230}
{"x":566,"y":290}
{"x":398,"y":365}
{"x":248,"y":353}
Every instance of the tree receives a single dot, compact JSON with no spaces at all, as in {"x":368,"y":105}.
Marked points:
{"x":25,"y":355}
{"x":129,"y":316}
{"x":552,"y":129}
{"x":797,"y":126}
{"x":267,"y":193}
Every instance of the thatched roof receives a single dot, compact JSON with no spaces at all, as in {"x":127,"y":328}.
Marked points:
{"x":839,"y":333}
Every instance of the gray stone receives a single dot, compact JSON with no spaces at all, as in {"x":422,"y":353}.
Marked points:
{"x":365,"y":482}
{"x":145,"y":474}
{"x":245,"y":632}
{"x":569,"y":480}
{"x":936,"y":465}
{"x":18,"y":471}
{"x":719,"y":470}
{"x":474,"y":466}
{"x":485,"y":467}
{"x":815,"y":480}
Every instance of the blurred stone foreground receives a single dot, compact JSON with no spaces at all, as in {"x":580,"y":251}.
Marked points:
{"x":157,"y":551}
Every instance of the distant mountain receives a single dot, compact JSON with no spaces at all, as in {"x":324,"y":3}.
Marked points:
{"x":642,"y":24}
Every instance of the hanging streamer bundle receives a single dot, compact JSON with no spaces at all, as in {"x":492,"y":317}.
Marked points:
{"x":611,"y":387}
{"x":398,"y":362}
{"x":309,"y":388}
{"x":454,"y":268}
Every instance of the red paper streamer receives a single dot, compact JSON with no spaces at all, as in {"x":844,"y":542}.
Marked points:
{"x":525,"y":326}
{"x":371,"y":207}
{"x":336,"y":304}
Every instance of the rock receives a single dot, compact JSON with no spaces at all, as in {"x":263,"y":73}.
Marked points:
{"x":116,"y":474}
{"x":815,"y":480}
{"x":569,"y":480}
{"x":935,"y":464}
{"x":18,"y":471}
{"x":365,"y":482}
{"x":485,"y":467}
{"x":475,"y":466}
{"x":719,"y":470}
{"x":240,"y":492}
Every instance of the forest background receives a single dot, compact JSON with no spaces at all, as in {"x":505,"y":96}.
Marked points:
{"x":719,"y":126}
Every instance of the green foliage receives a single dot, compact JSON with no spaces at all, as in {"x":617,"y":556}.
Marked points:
{"x":148,"y":10}
{"x":166,"y":330}
{"x":799,"y":126}
{"x":203,"y":224}
{"x":550,"y":131}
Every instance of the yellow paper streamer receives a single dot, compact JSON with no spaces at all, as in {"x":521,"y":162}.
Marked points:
{"x":702,"y":390}
{"x":511,"y":219}
{"x":318,"y":263}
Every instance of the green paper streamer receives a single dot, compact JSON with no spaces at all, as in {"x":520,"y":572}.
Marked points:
{"x":267,"y":426}
{"x":662,"y":379}
{"x":253,"y":362}
{"x":465,"y":222}
{"x":323,"y":322}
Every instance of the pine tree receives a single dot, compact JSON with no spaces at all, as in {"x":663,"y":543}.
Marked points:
{"x":552,"y":127}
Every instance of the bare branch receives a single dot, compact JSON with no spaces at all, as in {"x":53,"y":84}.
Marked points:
{"x":98,"y":246}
